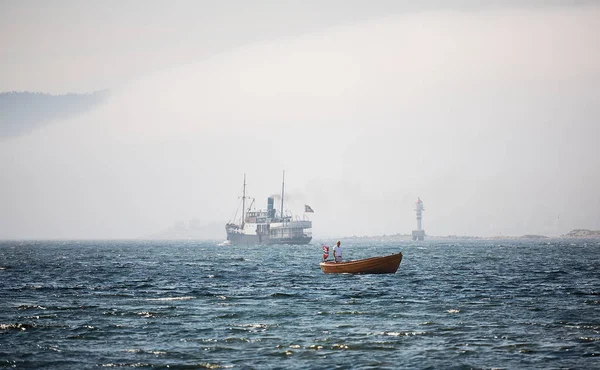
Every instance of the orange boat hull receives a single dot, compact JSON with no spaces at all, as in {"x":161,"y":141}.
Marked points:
{"x":373,"y":265}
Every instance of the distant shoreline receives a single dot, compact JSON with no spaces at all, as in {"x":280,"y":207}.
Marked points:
{"x":573,"y":234}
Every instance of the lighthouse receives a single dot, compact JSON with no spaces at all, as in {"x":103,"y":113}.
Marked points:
{"x":419,"y":233}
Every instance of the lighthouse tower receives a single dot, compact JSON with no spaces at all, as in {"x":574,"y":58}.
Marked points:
{"x":419,"y":233}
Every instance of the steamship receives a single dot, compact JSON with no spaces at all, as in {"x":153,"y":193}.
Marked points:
{"x":269,"y":226}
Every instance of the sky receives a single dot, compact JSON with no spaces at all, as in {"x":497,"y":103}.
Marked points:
{"x":489,"y":113}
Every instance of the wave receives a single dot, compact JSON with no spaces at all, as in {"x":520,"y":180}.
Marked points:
{"x":171,"y":299}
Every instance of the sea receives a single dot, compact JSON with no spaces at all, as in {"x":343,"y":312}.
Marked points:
{"x":453,"y":304}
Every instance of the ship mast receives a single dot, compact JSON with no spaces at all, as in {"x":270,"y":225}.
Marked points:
{"x":244,"y":203}
{"x":282,"y":193}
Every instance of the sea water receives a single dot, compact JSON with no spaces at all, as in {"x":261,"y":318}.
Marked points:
{"x":193,"y":304}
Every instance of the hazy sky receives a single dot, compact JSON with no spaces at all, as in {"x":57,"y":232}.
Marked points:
{"x":491,"y":114}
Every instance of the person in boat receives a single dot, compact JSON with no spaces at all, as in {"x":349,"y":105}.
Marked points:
{"x":337,"y":252}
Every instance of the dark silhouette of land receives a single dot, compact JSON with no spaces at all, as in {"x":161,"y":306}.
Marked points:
{"x":22,"y":112}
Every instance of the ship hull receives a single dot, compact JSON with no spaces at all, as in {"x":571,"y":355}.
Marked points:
{"x":242,"y":239}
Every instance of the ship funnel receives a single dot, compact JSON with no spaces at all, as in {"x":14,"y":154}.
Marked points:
{"x":270,"y":207}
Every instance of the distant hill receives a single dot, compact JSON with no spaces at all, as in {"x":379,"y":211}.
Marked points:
{"x":192,"y":230}
{"x":22,"y":112}
{"x":583,"y":234}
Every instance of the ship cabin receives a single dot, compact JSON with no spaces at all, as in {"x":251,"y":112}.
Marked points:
{"x":256,"y":217}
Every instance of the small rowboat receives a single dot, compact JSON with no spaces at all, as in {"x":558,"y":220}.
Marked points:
{"x":373,"y":265}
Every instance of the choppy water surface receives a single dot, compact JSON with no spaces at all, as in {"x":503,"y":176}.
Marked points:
{"x":502,"y":304}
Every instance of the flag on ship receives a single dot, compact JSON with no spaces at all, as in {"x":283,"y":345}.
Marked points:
{"x":308,"y":209}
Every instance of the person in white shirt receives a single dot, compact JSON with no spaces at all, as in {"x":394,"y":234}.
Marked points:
{"x":337,"y":252}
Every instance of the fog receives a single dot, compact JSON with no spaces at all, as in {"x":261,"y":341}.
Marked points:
{"x":489,"y":114}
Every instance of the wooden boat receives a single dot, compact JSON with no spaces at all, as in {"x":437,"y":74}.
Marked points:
{"x":373,"y":265}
